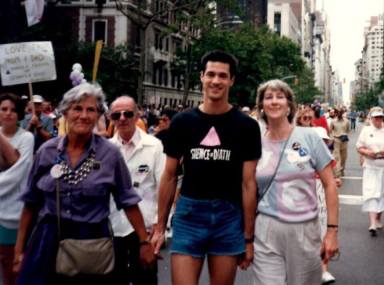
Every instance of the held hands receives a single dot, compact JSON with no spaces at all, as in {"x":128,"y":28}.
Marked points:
{"x":157,"y":239}
{"x":246,"y":258}
{"x":147,"y":256}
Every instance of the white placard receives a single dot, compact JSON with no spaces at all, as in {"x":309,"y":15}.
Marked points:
{"x":27,"y":62}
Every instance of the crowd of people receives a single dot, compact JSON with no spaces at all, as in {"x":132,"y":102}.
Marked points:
{"x":248,"y":188}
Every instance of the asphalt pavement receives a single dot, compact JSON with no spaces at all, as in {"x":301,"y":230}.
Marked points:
{"x":362,"y":257}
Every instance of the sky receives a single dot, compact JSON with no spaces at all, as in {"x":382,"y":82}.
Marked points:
{"x":347,"y":19}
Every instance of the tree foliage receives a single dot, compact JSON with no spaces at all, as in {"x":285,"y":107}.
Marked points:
{"x":262,"y":55}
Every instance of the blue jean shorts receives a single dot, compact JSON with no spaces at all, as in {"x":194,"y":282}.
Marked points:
{"x":207,"y":227}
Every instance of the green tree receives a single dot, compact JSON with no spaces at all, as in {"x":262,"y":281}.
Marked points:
{"x":262,"y":55}
{"x":180,"y":16}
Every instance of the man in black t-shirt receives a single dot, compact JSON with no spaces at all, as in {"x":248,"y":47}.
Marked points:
{"x":215,"y":212}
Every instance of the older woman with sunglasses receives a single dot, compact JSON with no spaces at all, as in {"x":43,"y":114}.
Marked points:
{"x":17,"y":146}
{"x":68,"y":194}
{"x":370,"y":144}
{"x":288,"y":246}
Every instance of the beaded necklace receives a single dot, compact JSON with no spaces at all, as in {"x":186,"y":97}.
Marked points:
{"x":75,"y":177}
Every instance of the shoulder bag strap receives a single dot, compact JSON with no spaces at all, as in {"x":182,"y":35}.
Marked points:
{"x":276,"y":169}
{"x":58,"y":207}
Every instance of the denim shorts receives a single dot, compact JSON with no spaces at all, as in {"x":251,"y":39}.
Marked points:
{"x":202,"y":227}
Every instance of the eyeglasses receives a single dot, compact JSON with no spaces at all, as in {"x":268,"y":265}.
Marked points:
{"x":127,"y":115}
{"x":307,"y":118}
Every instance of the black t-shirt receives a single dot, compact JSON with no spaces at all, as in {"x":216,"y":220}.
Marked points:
{"x":213,"y":148}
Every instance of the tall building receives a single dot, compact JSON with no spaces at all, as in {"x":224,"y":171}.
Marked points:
{"x":92,"y":20}
{"x":254,"y":11}
{"x":302,"y":23}
{"x":284,"y":18}
{"x":373,"y":35}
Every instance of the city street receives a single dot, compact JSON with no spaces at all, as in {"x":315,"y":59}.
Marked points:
{"x":361,"y":260}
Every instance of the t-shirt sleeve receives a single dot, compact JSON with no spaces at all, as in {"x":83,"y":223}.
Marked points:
{"x":361,"y":141}
{"x":321,"y":154}
{"x":252,"y":141}
{"x":173,"y":145}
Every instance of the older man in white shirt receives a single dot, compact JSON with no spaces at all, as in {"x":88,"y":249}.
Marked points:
{"x":145,"y":160}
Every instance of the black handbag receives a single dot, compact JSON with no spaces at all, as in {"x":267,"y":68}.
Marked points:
{"x":344,"y":138}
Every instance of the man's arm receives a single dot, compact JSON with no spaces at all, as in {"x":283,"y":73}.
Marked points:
{"x":249,"y":209}
{"x":166,"y":194}
{"x":135,"y":217}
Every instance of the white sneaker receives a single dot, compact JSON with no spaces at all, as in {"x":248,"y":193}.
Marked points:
{"x":379,"y":225}
{"x":327,"y":278}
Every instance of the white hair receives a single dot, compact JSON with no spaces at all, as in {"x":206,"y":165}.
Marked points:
{"x":81,"y":91}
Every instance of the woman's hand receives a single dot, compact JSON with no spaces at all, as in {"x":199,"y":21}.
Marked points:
{"x":17,"y":261}
{"x":246,"y":259}
{"x":370,"y":153}
{"x":330,"y":246}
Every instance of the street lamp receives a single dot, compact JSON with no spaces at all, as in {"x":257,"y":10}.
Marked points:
{"x":288,"y":77}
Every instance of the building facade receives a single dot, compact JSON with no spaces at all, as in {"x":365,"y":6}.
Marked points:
{"x":117,"y":25}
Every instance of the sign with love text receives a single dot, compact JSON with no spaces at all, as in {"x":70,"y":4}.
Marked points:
{"x":26,"y":63}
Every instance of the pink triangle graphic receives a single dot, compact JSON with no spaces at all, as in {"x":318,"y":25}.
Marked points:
{"x":211,"y":139}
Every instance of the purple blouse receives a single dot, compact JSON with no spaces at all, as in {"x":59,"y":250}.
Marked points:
{"x":88,"y":201}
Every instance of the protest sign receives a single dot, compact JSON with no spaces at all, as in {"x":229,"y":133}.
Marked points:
{"x":26,"y":63}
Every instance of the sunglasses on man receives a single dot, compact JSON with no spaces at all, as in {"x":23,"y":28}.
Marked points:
{"x":127,"y":115}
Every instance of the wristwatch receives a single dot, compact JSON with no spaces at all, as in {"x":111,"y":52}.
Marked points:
{"x":249,"y":240}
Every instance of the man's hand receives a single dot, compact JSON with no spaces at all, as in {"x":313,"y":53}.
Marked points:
{"x":246,"y":259}
{"x":34,"y":121}
{"x":147,"y":256}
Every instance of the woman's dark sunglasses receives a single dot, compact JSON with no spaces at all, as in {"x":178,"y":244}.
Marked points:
{"x":127,"y":114}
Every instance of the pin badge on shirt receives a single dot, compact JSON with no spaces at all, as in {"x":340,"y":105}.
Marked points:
{"x":96,"y":165}
{"x":144,"y":168}
{"x":56,"y":171}
{"x":296,"y":146}
{"x":303,"y":151}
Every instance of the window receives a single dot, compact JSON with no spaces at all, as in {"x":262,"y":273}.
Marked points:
{"x":277,"y":23}
{"x":99,"y":30}
{"x":158,"y":40}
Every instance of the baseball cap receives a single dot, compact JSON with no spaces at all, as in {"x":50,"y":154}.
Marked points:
{"x":377,"y":112}
{"x":38,"y":99}
{"x":322,"y":133}
{"x":245,"y":109}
